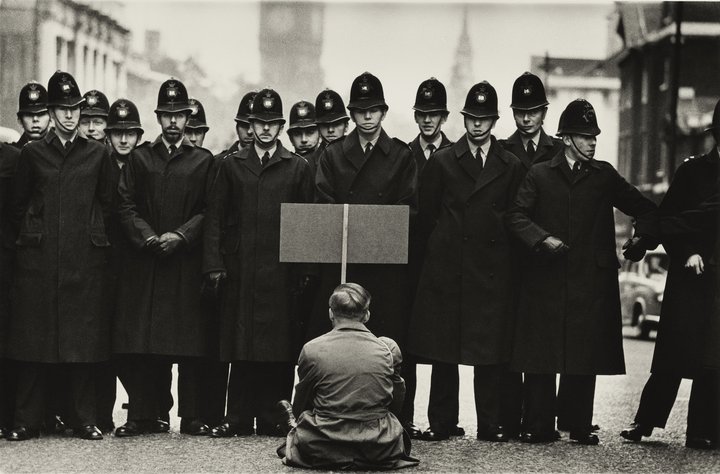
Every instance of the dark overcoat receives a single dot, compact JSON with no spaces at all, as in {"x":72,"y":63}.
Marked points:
{"x":569,"y":306}
{"x":8,"y":162}
{"x":418,"y":154}
{"x":463,"y":311}
{"x":686,"y":313}
{"x":159,"y":307}
{"x":547,"y":148}
{"x":242,"y":238}
{"x":387,"y":176}
{"x":61,"y":301}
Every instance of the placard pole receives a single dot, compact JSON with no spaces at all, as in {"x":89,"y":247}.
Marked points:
{"x":343,"y":261}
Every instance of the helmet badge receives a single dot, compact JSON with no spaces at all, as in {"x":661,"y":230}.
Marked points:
{"x":122,"y":110}
{"x":92,"y":100}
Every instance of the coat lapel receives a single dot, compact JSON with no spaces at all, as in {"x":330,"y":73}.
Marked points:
{"x":249,"y":158}
{"x":464,"y":157}
{"x":559,"y":163}
{"x":281,"y":153}
{"x":352,"y":150}
{"x":495,"y":165}
{"x":517,"y":149}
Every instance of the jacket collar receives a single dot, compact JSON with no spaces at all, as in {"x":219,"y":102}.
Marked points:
{"x":560,"y":159}
{"x":384,"y":142}
{"x":350,"y":326}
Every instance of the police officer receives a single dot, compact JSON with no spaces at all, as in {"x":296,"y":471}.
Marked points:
{"x":531,"y":145}
{"x":367,"y":167}
{"x":93,"y":115}
{"x":331,"y":117}
{"x":60,"y":315}
{"x":257,"y":326}
{"x":464,"y":309}
{"x":242,"y":126}
{"x":197,"y":126}
{"x":430,"y":115}
{"x":32,"y":113}
{"x":686,"y":316}
{"x":8,"y":162}
{"x":303,"y":132}
{"x":160,"y":318}
{"x":569,"y":303}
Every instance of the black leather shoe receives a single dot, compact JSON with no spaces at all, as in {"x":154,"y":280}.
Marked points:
{"x":636,"y":431}
{"x":194,"y":427}
{"x":563,"y":427}
{"x":413,"y":430}
{"x":106,"y":428}
{"x":158,"y":426}
{"x":693,"y":442}
{"x":89,"y":432}
{"x":286,"y":417}
{"x":587,"y":439}
{"x":22,"y":433}
{"x":131,"y":428}
{"x":533,"y":438}
{"x":4,"y":432}
{"x":55,"y":426}
{"x":457,"y":431}
{"x":430,"y":435}
{"x":228,"y":430}
{"x":496,"y":437}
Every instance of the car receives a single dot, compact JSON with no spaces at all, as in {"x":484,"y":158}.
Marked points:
{"x":642,"y":285}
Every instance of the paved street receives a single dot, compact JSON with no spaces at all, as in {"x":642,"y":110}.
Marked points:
{"x":615,"y":405}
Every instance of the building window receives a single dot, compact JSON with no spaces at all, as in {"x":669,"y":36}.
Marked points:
{"x":59,"y":48}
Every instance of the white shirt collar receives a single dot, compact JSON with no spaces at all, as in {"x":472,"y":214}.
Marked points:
{"x":167,"y":143}
{"x":363,"y":142}
{"x":64,"y":141}
{"x":485,"y":147}
{"x":424,"y":144}
{"x":260,"y":152}
{"x":535,"y":139}
{"x":570,"y":161}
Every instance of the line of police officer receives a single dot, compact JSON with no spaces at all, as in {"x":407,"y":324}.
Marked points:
{"x":512,"y":259}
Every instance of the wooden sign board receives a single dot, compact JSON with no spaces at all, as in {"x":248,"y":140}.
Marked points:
{"x":313,"y":233}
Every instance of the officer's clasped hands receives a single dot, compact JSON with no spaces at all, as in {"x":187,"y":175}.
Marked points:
{"x":553,"y":246}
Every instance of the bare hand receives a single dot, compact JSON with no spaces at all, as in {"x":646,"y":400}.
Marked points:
{"x":554,"y":246}
{"x":695,"y":263}
{"x":168,"y":243}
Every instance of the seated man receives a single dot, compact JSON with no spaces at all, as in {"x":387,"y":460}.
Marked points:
{"x":349,"y":391}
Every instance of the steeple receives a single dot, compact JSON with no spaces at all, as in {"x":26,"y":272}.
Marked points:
{"x":462,"y":75}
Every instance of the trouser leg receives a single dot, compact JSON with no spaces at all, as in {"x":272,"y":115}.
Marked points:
{"x":163,"y":386}
{"x":487,"y":383}
{"x":511,"y":402}
{"x":106,"y":392}
{"x":579,"y":401}
{"x":240,"y":409}
{"x":82,"y":396}
{"x":30,"y":398}
{"x":273,"y":382}
{"x":8,"y":390}
{"x":657,"y":399}
{"x":140,"y":372}
{"x":702,"y":420}
{"x":189,"y":387}
{"x":443,"y":406}
{"x":409,"y":374}
{"x":214,"y":383}
{"x":539,"y":404}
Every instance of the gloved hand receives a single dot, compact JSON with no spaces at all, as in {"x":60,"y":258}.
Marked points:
{"x":634,"y":249}
{"x":169,"y":243}
{"x":212,"y":284}
{"x":553,"y":246}
{"x":695,"y":263}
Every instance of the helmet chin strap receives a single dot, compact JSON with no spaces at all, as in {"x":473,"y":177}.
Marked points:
{"x":578,"y":149}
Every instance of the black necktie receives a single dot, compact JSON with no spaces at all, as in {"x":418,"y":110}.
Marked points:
{"x":431,"y":149}
{"x":67,"y":146}
{"x":172,"y":148}
{"x":576,"y":167}
{"x":265,"y":158}
{"x":368,"y":149}
{"x":478,"y":157}
{"x":530,"y":150}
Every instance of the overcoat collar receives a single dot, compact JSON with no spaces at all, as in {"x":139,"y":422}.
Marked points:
{"x":350,"y":326}
{"x":184,"y":144}
{"x":251,"y":160}
{"x":559,"y":161}
{"x":545,"y":143}
{"x":494,"y":166}
{"x":51,"y":138}
{"x":356,"y":155}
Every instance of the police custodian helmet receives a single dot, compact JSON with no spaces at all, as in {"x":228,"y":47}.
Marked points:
{"x":528,"y":92}
{"x":96,"y":104}
{"x":431,"y":97}
{"x":329,"y":107}
{"x":302,"y":115}
{"x":366,"y":92}
{"x":172,"y":97}
{"x":267,"y":107}
{"x":578,"y":118}
{"x":245,"y":107}
{"x":33,"y":99}
{"x":123,"y":115}
{"x":63,"y":91}
{"x":197,"y":118}
{"x":481,"y":101}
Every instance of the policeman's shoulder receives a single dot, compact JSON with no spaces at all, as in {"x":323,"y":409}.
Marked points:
{"x":204,"y":150}
{"x":402,"y":143}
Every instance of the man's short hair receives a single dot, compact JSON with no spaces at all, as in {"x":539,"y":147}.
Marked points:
{"x":350,"y":301}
